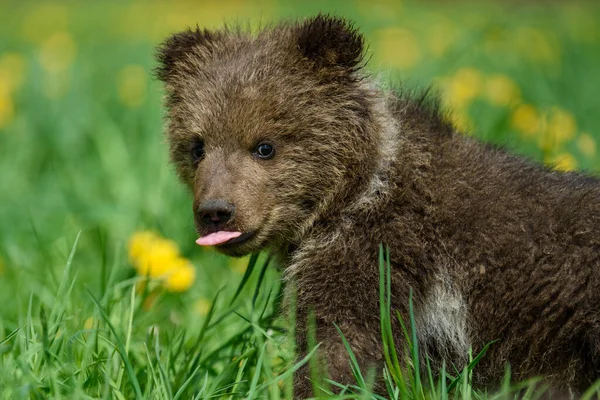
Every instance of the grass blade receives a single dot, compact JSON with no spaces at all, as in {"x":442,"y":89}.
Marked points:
{"x":121,"y":349}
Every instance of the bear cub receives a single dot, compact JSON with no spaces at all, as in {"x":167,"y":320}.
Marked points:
{"x":289,"y":146}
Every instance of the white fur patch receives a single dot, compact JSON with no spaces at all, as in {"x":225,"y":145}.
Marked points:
{"x":441,"y":322}
{"x":389,"y":129}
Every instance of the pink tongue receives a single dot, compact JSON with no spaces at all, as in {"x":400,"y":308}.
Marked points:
{"x":217,"y":238}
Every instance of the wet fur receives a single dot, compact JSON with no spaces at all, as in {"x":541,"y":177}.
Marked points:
{"x":493,"y":246}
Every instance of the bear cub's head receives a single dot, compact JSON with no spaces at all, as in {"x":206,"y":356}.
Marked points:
{"x":270,"y":130}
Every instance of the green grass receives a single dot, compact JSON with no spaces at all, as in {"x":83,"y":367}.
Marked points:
{"x":83,"y":166}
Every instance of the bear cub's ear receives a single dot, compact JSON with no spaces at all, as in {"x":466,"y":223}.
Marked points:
{"x":172,"y":53}
{"x":330,"y":42}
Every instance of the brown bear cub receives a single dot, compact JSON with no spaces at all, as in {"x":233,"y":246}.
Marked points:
{"x":287,"y":145}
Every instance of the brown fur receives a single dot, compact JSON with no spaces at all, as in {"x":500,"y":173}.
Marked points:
{"x":492,"y":245}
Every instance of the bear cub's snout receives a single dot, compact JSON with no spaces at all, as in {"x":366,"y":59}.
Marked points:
{"x":213,"y":215}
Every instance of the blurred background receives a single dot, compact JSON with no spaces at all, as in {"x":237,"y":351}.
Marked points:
{"x":82,"y":149}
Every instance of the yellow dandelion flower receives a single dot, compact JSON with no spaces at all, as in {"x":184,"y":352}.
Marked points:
{"x":561,"y":126}
{"x":202,"y":306}
{"x":466,"y":84}
{"x":140,"y":242}
{"x":500,"y":90}
{"x":57,"y":52}
{"x":586,"y":145}
{"x":132,"y":83}
{"x":181,"y":276}
{"x":562,"y":162}
{"x":526,"y":119}
{"x":157,"y":260}
{"x":152,"y":255}
{"x":398,"y":47}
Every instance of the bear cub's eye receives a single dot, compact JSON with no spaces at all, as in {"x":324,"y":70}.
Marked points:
{"x":264,"y":151}
{"x":197,"y":151}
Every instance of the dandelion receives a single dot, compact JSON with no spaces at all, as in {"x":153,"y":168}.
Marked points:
{"x":500,"y":90}
{"x":132,"y":83}
{"x":57,"y":52}
{"x":181,"y":276}
{"x":526,"y":119}
{"x":159,"y":258}
{"x":466,"y":84}
{"x":150,"y":254}
{"x":562,"y":162}
{"x":399,"y":47}
{"x":586,"y":145}
{"x":561,"y":125}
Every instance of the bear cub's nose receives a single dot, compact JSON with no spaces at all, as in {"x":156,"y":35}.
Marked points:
{"x":215,"y":213}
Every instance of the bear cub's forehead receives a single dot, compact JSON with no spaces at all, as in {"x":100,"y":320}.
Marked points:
{"x":245,"y":91}
{"x":247,"y":71}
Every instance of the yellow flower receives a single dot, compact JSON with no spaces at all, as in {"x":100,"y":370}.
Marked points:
{"x":500,"y":90}
{"x":139,"y":242}
{"x":57,"y":52}
{"x":132,"y":83}
{"x":466,"y":84}
{"x":181,"y":276}
{"x":398,"y":47}
{"x":159,"y":258}
{"x":150,"y":254}
{"x":563,"y":162}
{"x":586,"y":145}
{"x":561,"y":126}
{"x":526,"y":119}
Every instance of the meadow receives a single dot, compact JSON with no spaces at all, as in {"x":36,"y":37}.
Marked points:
{"x":104,"y":293}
